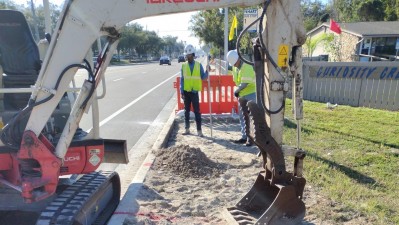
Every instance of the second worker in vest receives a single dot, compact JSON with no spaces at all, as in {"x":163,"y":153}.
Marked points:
{"x":192,"y":74}
{"x":244,"y":78}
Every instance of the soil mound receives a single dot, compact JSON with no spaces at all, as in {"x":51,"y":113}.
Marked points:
{"x":187,"y":161}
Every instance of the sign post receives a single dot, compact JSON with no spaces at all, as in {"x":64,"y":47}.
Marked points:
{"x":397,"y":48}
{"x":207,"y":49}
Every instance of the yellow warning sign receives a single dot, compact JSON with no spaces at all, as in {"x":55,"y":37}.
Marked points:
{"x":282,"y":59}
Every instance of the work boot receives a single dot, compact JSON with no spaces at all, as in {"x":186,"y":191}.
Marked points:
{"x":199,"y":132}
{"x":187,"y":132}
{"x":239,"y":141}
{"x":248,"y":143}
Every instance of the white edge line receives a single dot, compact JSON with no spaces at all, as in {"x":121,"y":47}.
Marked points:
{"x":113,"y":115}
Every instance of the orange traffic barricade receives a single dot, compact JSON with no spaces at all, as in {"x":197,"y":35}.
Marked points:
{"x":220,"y":95}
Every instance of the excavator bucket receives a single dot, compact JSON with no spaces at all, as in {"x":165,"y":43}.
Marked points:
{"x":268,"y":203}
{"x":276,"y":196}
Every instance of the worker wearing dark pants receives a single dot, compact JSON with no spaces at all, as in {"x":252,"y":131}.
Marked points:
{"x":192,"y":74}
{"x":191,"y":98}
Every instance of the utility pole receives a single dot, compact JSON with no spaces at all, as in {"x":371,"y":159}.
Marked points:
{"x":226,"y":28}
{"x":47,"y":20}
{"x":32,"y":6}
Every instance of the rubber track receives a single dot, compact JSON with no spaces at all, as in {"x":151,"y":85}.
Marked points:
{"x":63,"y":209}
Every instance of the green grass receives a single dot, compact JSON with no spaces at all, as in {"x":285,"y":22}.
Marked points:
{"x":352,"y":157}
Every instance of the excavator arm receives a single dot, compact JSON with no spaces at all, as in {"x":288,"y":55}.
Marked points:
{"x":277,"y":60}
{"x":82,"y":22}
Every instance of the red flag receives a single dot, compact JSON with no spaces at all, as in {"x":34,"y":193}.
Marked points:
{"x":335,"y":27}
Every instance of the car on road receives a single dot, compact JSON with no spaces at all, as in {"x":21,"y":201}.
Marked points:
{"x":164,"y":60}
{"x":115,"y":58}
{"x":181,"y":59}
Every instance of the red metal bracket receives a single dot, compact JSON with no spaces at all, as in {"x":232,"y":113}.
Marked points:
{"x":39,"y":167}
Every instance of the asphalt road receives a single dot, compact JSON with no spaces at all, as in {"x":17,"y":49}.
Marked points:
{"x":135,"y":95}
{"x":138,"y":102}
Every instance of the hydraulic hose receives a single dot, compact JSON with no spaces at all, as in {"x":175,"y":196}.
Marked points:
{"x":272,"y":61}
{"x":11,"y":134}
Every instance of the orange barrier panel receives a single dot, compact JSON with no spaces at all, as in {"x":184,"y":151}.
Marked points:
{"x":221,"y":95}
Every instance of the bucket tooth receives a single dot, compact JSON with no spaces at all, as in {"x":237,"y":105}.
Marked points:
{"x":235,"y":216}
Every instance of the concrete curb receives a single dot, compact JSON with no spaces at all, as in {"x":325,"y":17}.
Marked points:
{"x":163,"y":137}
{"x":128,"y":205}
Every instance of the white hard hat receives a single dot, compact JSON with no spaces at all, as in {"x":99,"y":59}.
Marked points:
{"x":189,"y":49}
{"x":232,"y":57}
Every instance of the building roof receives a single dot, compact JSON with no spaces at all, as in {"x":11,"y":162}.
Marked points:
{"x":369,"y":29}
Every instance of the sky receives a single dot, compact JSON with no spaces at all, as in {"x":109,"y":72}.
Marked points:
{"x":174,"y":24}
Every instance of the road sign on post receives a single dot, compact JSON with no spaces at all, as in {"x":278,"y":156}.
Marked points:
{"x":250,"y":15}
{"x":397,"y":49}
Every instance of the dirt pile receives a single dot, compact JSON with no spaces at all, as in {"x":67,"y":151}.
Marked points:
{"x":187,"y":161}
{"x":195,"y":178}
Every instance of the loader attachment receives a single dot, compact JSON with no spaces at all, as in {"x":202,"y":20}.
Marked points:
{"x":276,"y":196}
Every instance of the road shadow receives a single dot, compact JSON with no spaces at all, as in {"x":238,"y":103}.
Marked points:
{"x":148,"y":194}
{"x":352,"y":136}
{"x":291,"y":125}
{"x":353,"y":174}
{"x":219,"y":124}
{"x":349,"y":136}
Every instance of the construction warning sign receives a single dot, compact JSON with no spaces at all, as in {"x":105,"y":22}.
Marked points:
{"x":283,"y":56}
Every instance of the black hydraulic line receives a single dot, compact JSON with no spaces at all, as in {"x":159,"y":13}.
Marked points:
{"x":91,"y":78}
{"x":263,"y":47}
{"x":239,"y":40}
{"x":259,"y":71}
{"x":11,"y":134}
{"x":91,"y":75}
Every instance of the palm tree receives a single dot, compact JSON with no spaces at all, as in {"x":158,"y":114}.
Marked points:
{"x":312,"y":42}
